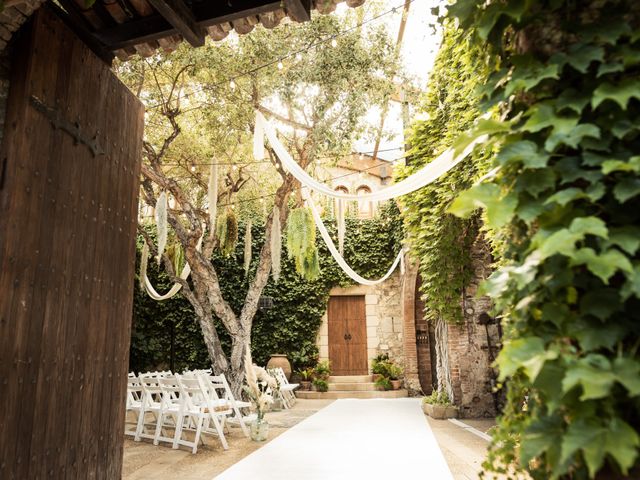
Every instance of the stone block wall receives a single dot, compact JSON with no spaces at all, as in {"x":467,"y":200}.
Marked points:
{"x":473,"y":346}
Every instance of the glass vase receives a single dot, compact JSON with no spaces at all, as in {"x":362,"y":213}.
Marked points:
{"x":259,"y":430}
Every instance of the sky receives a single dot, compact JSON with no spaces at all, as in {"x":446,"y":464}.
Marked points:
{"x":419,"y":48}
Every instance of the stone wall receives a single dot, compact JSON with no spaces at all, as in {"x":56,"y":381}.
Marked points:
{"x":13,"y":16}
{"x":470,"y":355}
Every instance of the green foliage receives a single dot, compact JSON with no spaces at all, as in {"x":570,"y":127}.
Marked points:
{"x":384,"y":383}
{"x":301,"y":242}
{"x":322,"y":370}
{"x":568,"y":289}
{"x":227,"y":232}
{"x":320,"y":384}
{"x":290,"y":327}
{"x":437,"y":398}
{"x":378,"y":363}
{"x":440,"y":240}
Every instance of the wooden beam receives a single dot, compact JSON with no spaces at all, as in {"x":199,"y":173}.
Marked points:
{"x":182,"y":19}
{"x":299,"y":10}
{"x":155,"y":27}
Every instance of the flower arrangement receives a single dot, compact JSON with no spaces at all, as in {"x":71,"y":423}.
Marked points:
{"x":258,"y":384}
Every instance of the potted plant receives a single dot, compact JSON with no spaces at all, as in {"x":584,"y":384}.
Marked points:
{"x":321,"y":374}
{"x":395,"y":373}
{"x":438,"y":406}
{"x":378,"y":365}
{"x":383,"y":383}
{"x":306,"y":375}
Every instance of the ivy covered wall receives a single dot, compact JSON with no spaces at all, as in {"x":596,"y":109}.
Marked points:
{"x":566,"y":207}
{"x":290,"y":327}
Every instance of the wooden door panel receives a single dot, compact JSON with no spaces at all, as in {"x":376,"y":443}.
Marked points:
{"x":346,"y":317}
{"x":68,"y":208}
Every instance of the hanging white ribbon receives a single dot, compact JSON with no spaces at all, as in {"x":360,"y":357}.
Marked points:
{"x":427,"y":174}
{"x":258,"y":140}
{"x":336,"y":254}
{"x":176,"y":286}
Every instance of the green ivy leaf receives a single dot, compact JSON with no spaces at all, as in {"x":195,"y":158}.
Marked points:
{"x":612,"y":67}
{"x":589,"y":225}
{"x":621,"y":94}
{"x":593,"y":373}
{"x":565,"y":196}
{"x":541,"y":435}
{"x":536,"y":182}
{"x":626,"y":188}
{"x":633,"y":165}
{"x":627,"y":238}
{"x":603,"y":266}
{"x":573,"y":100}
{"x":528,"y":353}
{"x":494,"y":11}
{"x":581,"y":56}
{"x":601,"y":303}
{"x":543,"y":115}
{"x":628,"y":374}
{"x":499,"y":209}
{"x":566,"y":133}
{"x":527,"y":78}
{"x":525,"y":152}
{"x":563,"y":242}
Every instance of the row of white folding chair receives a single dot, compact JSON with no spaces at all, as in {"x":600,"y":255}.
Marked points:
{"x":286,"y":388}
{"x":181,"y":403}
{"x":221,"y":389}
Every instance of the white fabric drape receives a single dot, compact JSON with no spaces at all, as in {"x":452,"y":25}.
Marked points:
{"x":336,"y":254}
{"x":176,"y":286}
{"x":430,"y":172}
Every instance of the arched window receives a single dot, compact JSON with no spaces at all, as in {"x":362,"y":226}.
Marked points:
{"x":365,"y":207}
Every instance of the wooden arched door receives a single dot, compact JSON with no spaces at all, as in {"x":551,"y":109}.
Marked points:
{"x":347,"y":335}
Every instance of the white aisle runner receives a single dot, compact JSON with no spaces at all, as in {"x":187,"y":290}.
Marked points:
{"x":350,"y":439}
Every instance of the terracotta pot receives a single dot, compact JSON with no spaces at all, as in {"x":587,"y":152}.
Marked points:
{"x":305,"y":385}
{"x":396,"y":384}
{"x":279,"y":360}
{"x":376,"y":377}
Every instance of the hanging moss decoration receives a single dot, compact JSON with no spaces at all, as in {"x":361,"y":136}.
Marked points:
{"x":161,"y":223}
{"x":301,"y":242}
{"x":144,"y":258}
{"x":276,"y":244}
{"x":212,"y":194}
{"x":311,"y":265}
{"x":176,"y":255}
{"x":247,"y":248}
{"x":227,"y":232}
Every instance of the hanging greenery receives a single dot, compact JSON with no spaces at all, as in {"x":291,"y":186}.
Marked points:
{"x":276,"y":244}
{"x":162,"y":225}
{"x":212,"y":193}
{"x":227,"y":232}
{"x":301,"y":242}
{"x":144,"y":259}
{"x":566,"y":206}
{"x":247,"y":247}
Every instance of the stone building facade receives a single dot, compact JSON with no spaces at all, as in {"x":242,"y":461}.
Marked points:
{"x":395,"y":322}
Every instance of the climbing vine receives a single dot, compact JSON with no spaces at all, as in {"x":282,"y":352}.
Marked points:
{"x":289,"y":327}
{"x":566,"y":206}
{"x":440,"y":240}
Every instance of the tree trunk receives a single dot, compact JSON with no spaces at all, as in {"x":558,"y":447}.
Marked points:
{"x":442,"y":357}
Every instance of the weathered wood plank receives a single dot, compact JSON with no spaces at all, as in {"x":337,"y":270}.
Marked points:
{"x":299,"y":10}
{"x":67,"y":254}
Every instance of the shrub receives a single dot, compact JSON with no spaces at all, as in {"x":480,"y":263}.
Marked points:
{"x":320,"y":384}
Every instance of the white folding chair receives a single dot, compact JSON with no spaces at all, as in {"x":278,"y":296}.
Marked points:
{"x":220,"y":387}
{"x":134,"y":400}
{"x":199,"y":411}
{"x":286,"y":389}
{"x":160,"y":404}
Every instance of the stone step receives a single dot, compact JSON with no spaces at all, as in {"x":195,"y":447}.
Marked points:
{"x":352,"y":386}
{"x":350,"y":379}
{"x":352,"y":394}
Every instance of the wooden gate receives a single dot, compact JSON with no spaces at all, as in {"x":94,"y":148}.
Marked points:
{"x":347,"y":335}
{"x":68,"y":206}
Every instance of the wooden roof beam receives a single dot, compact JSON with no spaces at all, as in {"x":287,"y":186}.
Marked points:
{"x":206,"y":14}
{"x":181,"y":18}
{"x":299,"y":10}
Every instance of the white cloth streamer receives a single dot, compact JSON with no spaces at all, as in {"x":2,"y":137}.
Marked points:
{"x":336,"y":254}
{"x":176,"y":286}
{"x":427,"y":174}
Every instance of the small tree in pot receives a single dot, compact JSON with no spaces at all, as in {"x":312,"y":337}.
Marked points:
{"x":321,"y":374}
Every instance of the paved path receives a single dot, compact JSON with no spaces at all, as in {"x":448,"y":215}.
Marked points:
{"x":350,"y":439}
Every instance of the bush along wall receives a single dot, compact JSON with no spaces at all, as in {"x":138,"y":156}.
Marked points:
{"x":289,"y":327}
{"x":567,"y":204}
